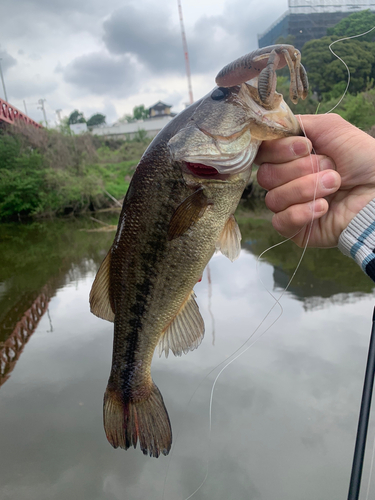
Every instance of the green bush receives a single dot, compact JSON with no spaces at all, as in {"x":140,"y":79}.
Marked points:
{"x":44,"y":172}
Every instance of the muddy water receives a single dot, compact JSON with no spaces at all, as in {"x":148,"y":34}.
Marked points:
{"x":284,"y":414}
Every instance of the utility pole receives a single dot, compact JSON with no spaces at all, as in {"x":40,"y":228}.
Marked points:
{"x":184,"y":44}
{"x":41,"y":102}
{"x":58,"y":112}
{"x":2,"y":79}
{"x":24,"y":103}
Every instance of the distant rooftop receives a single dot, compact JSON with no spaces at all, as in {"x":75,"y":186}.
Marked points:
{"x":160,"y":109}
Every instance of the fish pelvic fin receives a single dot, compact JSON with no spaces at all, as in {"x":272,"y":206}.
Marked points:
{"x":229,"y":242}
{"x":185,"y":332}
{"x":100,"y":304}
{"x":126,"y":422}
{"x":188,"y":213}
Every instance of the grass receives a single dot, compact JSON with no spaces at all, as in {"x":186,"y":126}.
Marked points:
{"x":47,"y":173}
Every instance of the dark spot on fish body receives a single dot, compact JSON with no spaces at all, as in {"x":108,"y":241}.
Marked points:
{"x":144,"y":287}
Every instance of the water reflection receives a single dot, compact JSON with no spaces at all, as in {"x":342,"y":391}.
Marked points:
{"x":22,"y":331}
{"x":38,"y":259}
{"x":284,"y":414}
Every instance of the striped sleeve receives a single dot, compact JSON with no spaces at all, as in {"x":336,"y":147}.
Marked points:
{"x":358,"y":239}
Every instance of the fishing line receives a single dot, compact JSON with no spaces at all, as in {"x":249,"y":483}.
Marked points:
{"x":342,"y":97}
{"x":241,"y":350}
{"x":344,"y":63}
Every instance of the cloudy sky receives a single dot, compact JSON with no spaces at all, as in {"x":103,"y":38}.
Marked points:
{"x":108,"y":56}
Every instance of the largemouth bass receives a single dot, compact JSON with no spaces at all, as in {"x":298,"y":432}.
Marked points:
{"x":178,"y":210}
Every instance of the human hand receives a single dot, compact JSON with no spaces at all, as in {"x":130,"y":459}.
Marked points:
{"x":341,"y":174}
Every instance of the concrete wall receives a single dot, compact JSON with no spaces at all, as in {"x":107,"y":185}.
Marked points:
{"x":151,"y":126}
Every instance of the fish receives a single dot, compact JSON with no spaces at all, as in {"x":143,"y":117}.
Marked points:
{"x":178,"y":210}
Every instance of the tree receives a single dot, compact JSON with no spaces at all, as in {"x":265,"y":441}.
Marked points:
{"x":76,"y":117}
{"x":328,"y":75}
{"x":139,"y":113}
{"x":355,"y":24}
{"x":307,"y":106}
{"x":95,"y":120}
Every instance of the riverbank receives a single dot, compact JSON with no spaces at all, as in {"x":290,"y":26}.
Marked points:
{"x":44,"y":173}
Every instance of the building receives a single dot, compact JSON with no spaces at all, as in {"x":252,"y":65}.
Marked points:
{"x":78,"y":128}
{"x":309,"y":19}
{"x":160,"y":109}
{"x":159,"y":115}
{"x":149,"y":127}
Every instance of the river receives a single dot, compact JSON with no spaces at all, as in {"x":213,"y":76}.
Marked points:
{"x":284,"y":414}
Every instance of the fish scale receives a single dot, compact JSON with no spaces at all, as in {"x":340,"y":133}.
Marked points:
{"x":171,"y":222}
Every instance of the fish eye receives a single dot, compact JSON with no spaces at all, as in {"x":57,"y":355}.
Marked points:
{"x":219,"y":93}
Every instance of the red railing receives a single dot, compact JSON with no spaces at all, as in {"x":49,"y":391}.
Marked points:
{"x":10,"y":114}
{"x":12,"y":348}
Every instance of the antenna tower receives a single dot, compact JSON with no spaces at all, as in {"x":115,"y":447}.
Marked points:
{"x":184,"y":43}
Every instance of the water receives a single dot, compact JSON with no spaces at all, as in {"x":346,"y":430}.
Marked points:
{"x":284,"y":414}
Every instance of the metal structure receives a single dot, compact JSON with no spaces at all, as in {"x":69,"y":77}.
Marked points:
{"x":309,"y":19}
{"x":12,"y":348}
{"x":10,"y":114}
{"x":186,"y":53}
{"x":324,"y":6}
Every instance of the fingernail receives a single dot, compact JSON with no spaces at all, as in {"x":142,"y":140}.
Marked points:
{"x":328,"y":180}
{"x":327,"y":164}
{"x":316,"y":206}
{"x":299,"y":148}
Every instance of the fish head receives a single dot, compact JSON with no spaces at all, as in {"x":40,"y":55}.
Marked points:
{"x":223,"y":134}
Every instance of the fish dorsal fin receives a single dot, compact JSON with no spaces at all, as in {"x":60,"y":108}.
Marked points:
{"x":187,"y":213}
{"x":186,"y":331}
{"x":100,"y":304}
{"x":229,"y":242}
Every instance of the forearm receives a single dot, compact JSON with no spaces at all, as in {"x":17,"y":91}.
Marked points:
{"x":358,"y":239}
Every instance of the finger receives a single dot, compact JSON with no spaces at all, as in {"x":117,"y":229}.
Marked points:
{"x":303,"y":190}
{"x":290,"y":221}
{"x":271,"y":175}
{"x":283,"y":150}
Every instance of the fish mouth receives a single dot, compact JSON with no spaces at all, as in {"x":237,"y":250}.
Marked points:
{"x":277,"y":117}
{"x":203,"y":171}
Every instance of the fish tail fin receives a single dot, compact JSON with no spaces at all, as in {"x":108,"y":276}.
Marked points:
{"x":126,"y":422}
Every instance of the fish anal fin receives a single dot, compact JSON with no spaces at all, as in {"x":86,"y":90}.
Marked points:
{"x":126,"y":422}
{"x":100,"y":303}
{"x":185,"y":332}
{"x":229,"y":242}
{"x":188,"y":213}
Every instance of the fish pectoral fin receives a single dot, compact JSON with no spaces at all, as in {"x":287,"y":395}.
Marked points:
{"x":185,"y":332}
{"x":100,"y":304}
{"x":229,"y":242}
{"x":188,"y":213}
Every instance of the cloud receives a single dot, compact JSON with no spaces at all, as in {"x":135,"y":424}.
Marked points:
{"x":30,"y":88}
{"x":7,"y":61}
{"x":101,"y":73}
{"x":152,"y":38}
{"x":156,"y":42}
{"x":155,"y":39}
